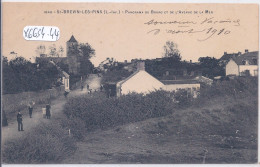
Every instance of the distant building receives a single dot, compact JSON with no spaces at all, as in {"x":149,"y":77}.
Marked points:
{"x":64,"y":77}
{"x":72,"y":59}
{"x":142,"y":82}
{"x":193,"y":86}
{"x":138,"y":82}
{"x":226,"y":57}
{"x":73,"y":56}
{"x":243,"y":65}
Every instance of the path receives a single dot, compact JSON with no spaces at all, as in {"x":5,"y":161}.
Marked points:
{"x":11,"y":131}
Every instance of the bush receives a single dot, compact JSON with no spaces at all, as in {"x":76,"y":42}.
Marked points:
{"x":238,"y":87}
{"x":47,"y":143}
{"x":102,"y":112}
{"x":76,"y":127}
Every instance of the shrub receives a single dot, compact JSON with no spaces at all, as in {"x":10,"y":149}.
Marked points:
{"x":47,"y":143}
{"x":101,"y":112}
{"x":76,"y":127}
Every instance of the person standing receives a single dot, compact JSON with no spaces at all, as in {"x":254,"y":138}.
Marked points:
{"x":48,"y":111}
{"x":66,"y":94}
{"x":20,"y":121}
{"x":101,"y":88}
{"x":82,"y":87}
{"x":30,"y":110}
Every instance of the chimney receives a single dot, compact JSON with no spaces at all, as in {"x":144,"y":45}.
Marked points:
{"x":190,"y":61}
{"x":225,"y":53}
{"x":239,"y":53}
{"x":246,"y":50}
{"x":141,"y":65}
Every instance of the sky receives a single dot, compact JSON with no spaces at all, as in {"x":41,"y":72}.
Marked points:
{"x":138,"y":31}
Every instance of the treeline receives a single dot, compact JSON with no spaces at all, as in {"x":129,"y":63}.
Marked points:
{"x":207,"y":66}
{"x":21,"y":75}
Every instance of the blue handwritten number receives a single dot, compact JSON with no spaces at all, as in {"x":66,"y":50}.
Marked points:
{"x":43,"y":32}
{"x":55,"y":33}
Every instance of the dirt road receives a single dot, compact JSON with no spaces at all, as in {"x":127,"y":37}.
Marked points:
{"x":11,"y":131}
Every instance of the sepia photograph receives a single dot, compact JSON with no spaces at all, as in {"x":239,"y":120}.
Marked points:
{"x":129,"y":83}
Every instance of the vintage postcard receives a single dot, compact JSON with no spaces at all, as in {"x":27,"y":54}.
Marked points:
{"x":129,"y":83}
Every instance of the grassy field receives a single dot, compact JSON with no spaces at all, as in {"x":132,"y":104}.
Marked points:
{"x":216,"y":134}
{"x":218,"y":127}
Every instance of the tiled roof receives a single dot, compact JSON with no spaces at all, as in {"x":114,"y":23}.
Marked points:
{"x":188,"y":81}
{"x":249,"y":57}
{"x":228,"y":56}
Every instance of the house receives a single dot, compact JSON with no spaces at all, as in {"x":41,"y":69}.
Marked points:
{"x":73,"y":58}
{"x":243,"y":65}
{"x":66,"y":81}
{"x":226,"y":57}
{"x":64,"y":77}
{"x":142,"y":82}
{"x":139,"y":82}
{"x":193,"y":86}
{"x":204,"y":80}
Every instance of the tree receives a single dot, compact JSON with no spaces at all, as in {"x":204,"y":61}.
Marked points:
{"x":21,"y":75}
{"x":61,"y":51}
{"x":53,"y":50}
{"x":171,"y":51}
{"x":86,"y":52}
{"x":40,"y":50}
{"x":210,"y":67}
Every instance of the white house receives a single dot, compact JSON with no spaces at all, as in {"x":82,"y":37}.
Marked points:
{"x":243,"y":65}
{"x":139,"y":82}
{"x":174,"y":85}
{"x":66,"y":81}
{"x":143,"y":82}
{"x":65,"y":77}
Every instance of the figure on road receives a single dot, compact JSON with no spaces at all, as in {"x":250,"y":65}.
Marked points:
{"x":82,"y":87}
{"x":87,"y":86}
{"x":66,"y":94}
{"x":30,"y":108}
{"x":101,"y":88}
{"x":48,"y":111}
{"x":20,"y":121}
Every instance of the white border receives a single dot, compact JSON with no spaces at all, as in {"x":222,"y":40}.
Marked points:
{"x":150,"y":1}
{"x":144,"y":1}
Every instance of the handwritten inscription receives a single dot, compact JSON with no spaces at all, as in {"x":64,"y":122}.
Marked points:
{"x":206,"y":27}
{"x":41,"y":33}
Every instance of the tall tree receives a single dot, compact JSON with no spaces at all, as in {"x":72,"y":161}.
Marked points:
{"x":40,"y":50}
{"x":52,"y":50}
{"x":86,"y":52}
{"x":210,"y":67}
{"x":171,"y":50}
{"x":61,"y":51}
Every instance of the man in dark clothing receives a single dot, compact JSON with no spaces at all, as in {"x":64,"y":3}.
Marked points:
{"x":48,"y":111}
{"x":66,"y":94}
{"x":30,"y":111}
{"x":82,"y":87}
{"x":20,"y":121}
